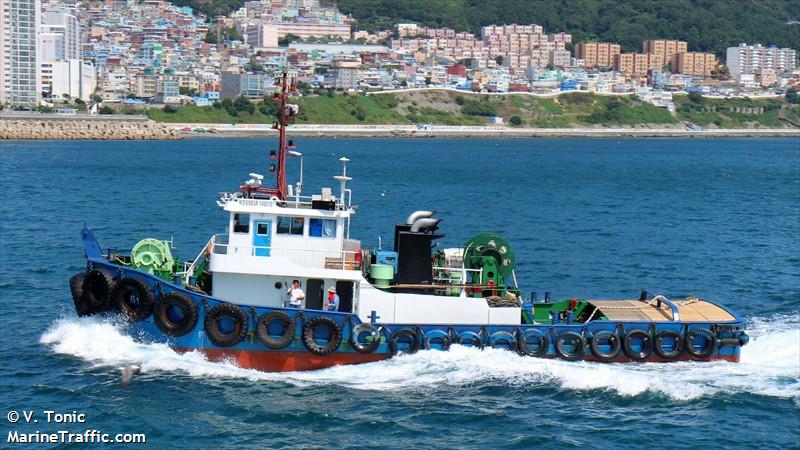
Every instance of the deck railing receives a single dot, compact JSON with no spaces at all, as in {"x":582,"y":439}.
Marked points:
{"x":293,"y":201}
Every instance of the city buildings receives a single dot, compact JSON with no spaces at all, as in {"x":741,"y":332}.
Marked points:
{"x":20,"y":71}
{"x":666,"y":49}
{"x":60,"y":35}
{"x":752,"y":59}
{"x":64,"y":74}
{"x":638,"y":63}
{"x":693,"y":63}
{"x":253,"y":86}
{"x":163,"y":53}
{"x":597,"y":54}
{"x":73,"y":78}
{"x":343,"y":75}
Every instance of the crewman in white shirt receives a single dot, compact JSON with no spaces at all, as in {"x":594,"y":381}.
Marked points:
{"x":296,"y":295}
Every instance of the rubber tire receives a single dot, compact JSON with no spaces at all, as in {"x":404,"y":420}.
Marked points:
{"x":415,"y":344}
{"x":440,"y":335}
{"x":524,"y":349}
{"x":96,"y":290}
{"x":475,"y":340}
{"x":333,"y":342}
{"x":705,"y":352}
{"x":215,"y":335}
{"x":563,"y":353}
{"x":262,"y":330}
{"x":76,"y":288}
{"x":120,"y":297}
{"x":659,"y":340}
{"x":503,"y":336}
{"x":641,"y":355}
{"x":161,"y":316}
{"x":366,"y":347}
{"x":600,"y":355}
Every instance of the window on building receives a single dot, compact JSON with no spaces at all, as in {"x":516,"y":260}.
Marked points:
{"x":322,"y":228}
{"x":290,"y":225}
{"x":241,"y":223}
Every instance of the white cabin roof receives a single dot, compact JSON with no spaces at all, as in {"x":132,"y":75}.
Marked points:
{"x":279,"y":207}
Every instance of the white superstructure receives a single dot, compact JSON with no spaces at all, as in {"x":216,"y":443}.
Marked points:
{"x":271,"y":242}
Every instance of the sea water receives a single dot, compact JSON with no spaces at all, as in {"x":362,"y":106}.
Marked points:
{"x":719,"y":219}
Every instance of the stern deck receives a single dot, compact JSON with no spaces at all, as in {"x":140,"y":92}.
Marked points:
{"x":689,"y":310}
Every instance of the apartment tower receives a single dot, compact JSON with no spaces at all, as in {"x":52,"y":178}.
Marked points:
{"x":20,"y":75}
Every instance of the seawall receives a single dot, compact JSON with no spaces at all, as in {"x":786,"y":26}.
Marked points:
{"x":95,"y":128}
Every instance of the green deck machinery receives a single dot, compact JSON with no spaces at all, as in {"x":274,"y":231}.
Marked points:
{"x":493,"y":254}
{"x":155,"y":257}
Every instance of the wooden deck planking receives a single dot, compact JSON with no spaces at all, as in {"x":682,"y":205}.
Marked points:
{"x":689,"y":310}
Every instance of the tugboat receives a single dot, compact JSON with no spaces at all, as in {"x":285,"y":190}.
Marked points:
{"x":285,"y":288}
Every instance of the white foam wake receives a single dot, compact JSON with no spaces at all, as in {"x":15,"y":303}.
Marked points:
{"x":770,"y":365}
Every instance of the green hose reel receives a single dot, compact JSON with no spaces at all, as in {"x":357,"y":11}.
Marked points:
{"x":153,"y":256}
{"x":493,"y":254}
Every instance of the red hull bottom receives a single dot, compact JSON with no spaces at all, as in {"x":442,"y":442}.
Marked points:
{"x":277,"y":361}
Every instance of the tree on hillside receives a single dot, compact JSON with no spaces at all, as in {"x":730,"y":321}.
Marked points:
{"x":288,"y":39}
{"x":792,"y":96}
{"x":228,"y":34}
{"x":243,"y":104}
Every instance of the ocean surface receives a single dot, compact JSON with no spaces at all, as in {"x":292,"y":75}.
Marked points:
{"x":587,"y":218}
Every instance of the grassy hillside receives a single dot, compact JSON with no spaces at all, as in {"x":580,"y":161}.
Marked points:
{"x":723,"y":113}
{"x":453,"y":108}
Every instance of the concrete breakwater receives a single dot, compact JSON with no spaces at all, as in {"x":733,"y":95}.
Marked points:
{"x":89,"y":129}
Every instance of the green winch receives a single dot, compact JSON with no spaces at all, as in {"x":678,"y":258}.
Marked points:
{"x":154,"y":256}
{"x":491,"y":253}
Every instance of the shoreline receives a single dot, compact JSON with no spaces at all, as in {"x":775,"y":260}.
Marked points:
{"x":411,"y":131}
{"x":136,"y":128}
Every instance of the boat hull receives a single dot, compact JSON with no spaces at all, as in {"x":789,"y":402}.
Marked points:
{"x":275,"y":361}
{"x":293,"y":350}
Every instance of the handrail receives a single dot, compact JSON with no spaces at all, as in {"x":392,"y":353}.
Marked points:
{"x":304,"y":201}
{"x":188,"y":271}
{"x":659,"y":299}
{"x":456,"y":269}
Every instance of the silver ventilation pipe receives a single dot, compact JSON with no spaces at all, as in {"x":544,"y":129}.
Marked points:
{"x":424,"y":223}
{"x":418,"y":215}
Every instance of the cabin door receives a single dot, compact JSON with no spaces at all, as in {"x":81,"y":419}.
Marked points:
{"x":314,"y":290}
{"x":344,"y":289}
{"x":262,"y":237}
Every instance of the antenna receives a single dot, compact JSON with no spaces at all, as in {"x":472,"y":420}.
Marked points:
{"x":296,"y":154}
{"x":343,"y":179}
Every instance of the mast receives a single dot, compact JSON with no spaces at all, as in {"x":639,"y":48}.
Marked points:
{"x":285,"y":116}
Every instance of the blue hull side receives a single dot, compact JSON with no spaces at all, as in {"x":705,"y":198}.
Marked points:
{"x":541,"y":340}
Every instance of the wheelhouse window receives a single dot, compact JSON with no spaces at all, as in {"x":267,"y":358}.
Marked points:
{"x":262,"y":229}
{"x":325,"y":228}
{"x":241,"y":223}
{"x":290,"y":225}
